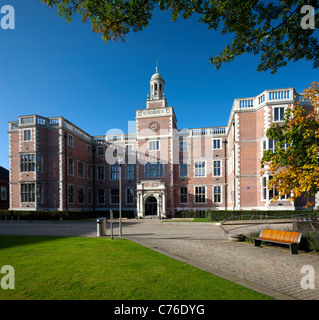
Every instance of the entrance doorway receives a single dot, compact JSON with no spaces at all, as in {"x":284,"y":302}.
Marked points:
{"x":151,"y":206}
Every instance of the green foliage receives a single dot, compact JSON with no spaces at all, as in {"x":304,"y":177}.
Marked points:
{"x":295,"y":168}
{"x":222,"y":215}
{"x":61,"y":215}
{"x":312,"y":239}
{"x":271,"y":30}
{"x":190,"y":214}
{"x":250,"y":237}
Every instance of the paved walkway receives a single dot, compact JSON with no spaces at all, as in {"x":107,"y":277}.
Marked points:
{"x":272,"y":271}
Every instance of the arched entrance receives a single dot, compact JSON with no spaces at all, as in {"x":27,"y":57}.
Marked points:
{"x":151,"y":199}
{"x":151,"y":206}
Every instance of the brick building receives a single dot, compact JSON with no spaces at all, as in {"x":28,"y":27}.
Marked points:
{"x":4,"y":188}
{"x":54,"y":165}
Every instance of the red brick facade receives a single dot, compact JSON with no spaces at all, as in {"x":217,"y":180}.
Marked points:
{"x":55,"y":165}
{"x":4,"y":189}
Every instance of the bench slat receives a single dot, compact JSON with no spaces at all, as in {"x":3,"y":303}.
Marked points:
{"x":277,"y":241}
{"x":280,"y":236}
{"x":290,"y":238}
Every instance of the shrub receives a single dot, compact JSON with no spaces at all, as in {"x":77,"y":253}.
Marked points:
{"x":250,"y":236}
{"x":61,"y":215}
{"x":216,"y":215}
{"x":312,"y":239}
{"x":190,"y":214}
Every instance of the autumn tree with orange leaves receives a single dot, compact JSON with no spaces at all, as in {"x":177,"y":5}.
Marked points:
{"x":294,"y":164}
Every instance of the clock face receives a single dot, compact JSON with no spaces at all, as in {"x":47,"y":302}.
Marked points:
{"x":154,"y":126}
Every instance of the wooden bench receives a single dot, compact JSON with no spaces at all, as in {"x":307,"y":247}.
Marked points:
{"x":283,"y":237}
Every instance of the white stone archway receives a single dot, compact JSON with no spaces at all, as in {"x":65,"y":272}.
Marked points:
{"x":147,"y":189}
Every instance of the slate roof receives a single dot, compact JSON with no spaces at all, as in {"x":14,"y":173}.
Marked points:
{"x":4,"y":173}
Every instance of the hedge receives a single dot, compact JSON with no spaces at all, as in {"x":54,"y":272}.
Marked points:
{"x":61,"y":215}
{"x":221,"y":215}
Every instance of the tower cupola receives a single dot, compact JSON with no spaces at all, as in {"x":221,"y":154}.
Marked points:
{"x":157,"y":86}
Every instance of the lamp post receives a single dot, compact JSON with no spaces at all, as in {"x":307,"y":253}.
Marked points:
{"x":120,"y":159}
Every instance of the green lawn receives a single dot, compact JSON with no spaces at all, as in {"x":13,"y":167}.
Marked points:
{"x":202,"y":220}
{"x":101,"y":268}
{"x":193,"y":220}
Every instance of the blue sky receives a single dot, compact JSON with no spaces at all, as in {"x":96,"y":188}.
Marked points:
{"x":52,"y":68}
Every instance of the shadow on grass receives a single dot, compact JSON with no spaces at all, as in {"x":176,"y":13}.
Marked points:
{"x":7,"y":241}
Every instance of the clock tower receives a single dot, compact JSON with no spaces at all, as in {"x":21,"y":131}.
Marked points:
{"x":155,"y":129}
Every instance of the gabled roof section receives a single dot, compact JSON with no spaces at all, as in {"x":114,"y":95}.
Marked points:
{"x":4,"y":173}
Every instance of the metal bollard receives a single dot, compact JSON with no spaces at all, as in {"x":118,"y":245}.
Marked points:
{"x":101,"y":227}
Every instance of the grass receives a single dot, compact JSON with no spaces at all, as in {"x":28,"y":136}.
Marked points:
{"x":52,"y":268}
{"x":193,"y":220}
{"x":202,"y":220}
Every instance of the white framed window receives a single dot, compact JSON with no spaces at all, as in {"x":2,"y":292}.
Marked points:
{"x":217,"y":144}
{"x":70,"y":140}
{"x":90,"y":195}
{"x":267,"y":194}
{"x":129,"y":195}
{"x":100,"y":151}
{"x":264,"y":190}
{"x":27,"y":192}
{"x":183,"y":146}
{"x":264,"y":145}
{"x":27,"y":162}
{"x":80,"y":169}
{"x":270,"y":144}
{"x":284,"y":197}
{"x":27,"y":136}
{"x":154,"y":170}
{"x":183,"y":195}
{"x":115,"y":196}
{"x":129,"y":149}
{"x":101,"y":196}
{"x":154,"y":145}
{"x":115,"y":172}
{"x":278,"y":113}
{"x":90,"y":173}
{"x":217,"y":169}
{"x":70,"y":166}
{"x":183,"y":170}
{"x":71,"y":193}
{"x":217,"y":194}
{"x":40,"y":192}
{"x":200,"y":194}
{"x":200,"y":168}
{"x":80,"y":194}
{"x":230,"y":163}
{"x":3,"y":193}
{"x":89,"y":151}
{"x":129,"y":171}
{"x":100,"y":173}
{"x":39,"y":163}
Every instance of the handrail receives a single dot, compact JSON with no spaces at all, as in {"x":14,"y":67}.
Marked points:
{"x":304,"y":216}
